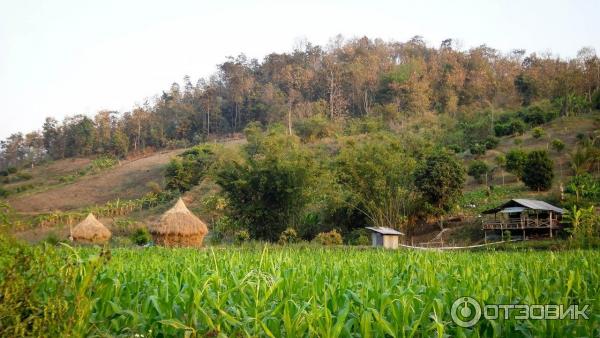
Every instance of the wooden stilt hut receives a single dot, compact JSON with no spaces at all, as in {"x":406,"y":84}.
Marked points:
{"x":90,"y":230}
{"x":178,"y":227}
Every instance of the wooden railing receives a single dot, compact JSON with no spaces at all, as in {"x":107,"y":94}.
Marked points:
{"x":524,"y":224}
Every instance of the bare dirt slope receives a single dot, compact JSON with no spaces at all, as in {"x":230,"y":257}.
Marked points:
{"x":126,"y":181}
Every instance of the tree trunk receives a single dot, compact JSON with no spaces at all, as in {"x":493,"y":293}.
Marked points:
{"x":235,"y":118}
{"x":208,"y":121}
{"x":289,"y":118}
{"x":331,"y":88}
{"x":367,"y":102}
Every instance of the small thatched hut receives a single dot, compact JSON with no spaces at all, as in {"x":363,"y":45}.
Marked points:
{"x":90,"y":230}
{"x":179,"y":227}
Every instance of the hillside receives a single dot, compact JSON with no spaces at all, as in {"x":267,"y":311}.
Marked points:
{"x":565,"y":129}
{"x":130,"y":180}
{"x":127,"y":180}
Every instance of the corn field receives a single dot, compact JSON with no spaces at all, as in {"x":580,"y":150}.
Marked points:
{"x":306,"y":291}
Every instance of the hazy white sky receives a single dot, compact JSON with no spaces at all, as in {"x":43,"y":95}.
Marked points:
{"x":63,"y":57}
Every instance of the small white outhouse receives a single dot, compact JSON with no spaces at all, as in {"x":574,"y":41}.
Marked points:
{"x":385,"y":237}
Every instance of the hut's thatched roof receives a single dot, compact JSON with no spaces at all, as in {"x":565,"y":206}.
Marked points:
{"x":179,"y":221}
{"x":90,"y":229}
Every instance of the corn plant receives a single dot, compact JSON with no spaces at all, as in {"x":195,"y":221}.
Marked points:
{"x":309,"y":291}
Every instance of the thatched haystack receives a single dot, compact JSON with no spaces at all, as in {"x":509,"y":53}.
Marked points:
{"x":179,"y":227}
{"x":90,"y":230}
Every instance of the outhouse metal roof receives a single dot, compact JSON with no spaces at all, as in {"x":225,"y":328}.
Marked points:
{"x":512,"y":210}
{"x":526,"y":204}
{"x":385,"y":231}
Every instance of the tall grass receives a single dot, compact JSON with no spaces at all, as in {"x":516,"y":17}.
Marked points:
{"x":345,"y":292}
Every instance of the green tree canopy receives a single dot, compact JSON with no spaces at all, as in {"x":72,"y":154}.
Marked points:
{"x":440,"y":178}
{"x":515,"y":162}
{"x":378,"y":175}
{"x":478,"y":169}
{"x":538,"y":171}
{"x":268,"y":190}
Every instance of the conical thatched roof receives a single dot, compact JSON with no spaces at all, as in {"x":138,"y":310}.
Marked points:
{"x":179,"y":221}
{"x":90,"y":230}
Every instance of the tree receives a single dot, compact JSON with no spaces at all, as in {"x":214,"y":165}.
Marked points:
{"x":80,"y":135}
{"x":558,"y":146}
{"x":268,"y":190}
{"x":440,"y":178}
{"x":34,"y":143}
{"x":538,"y":171}
{"x":377,"y":174}
{"x":526,"y":88}
{"x":501,"y":163}
{"x":478,"y":169}
{"x":119,"y":143}
{"x":53,"y":141}
{"x":515,"y":162}
{"x":190,"y":167}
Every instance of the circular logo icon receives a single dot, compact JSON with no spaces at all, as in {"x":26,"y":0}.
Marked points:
{"x":466,"y":311}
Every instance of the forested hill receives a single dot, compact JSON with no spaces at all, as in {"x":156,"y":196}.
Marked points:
{"x":387,"y":82}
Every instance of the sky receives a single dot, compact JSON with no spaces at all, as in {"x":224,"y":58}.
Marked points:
{"x":60,"y":57}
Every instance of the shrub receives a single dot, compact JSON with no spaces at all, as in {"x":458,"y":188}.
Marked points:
{"x":52,"y":239}
{"x":11,"y":170}
{"x":502,"y":129}
{"x":512,"y":127}
{"x":359,"y":237}
{"x":558,"y":145}
{"x":332,"y":237}
{"x":4,"y":193}
{"x":23,"y":187}
{"x":477,"y":149}
{"x":455,"y":148}
{"x":478,"y":169}
{"x":364,"y":125}
{"x":103,"y":162}
{"x":186,"y":170}
{"x":534,"y":115}
{"x":538,"y":132}
{"x":141,"y":236}
{"x":154,"y":187}
{"x":491,"y":142}
{"x":224,"y":228}
{"x":24,"y":176}
{"x":538,"y":170}
{"x":312,"y":128}
{"x":288,"y":236}
{"x":596,"y":99}
{"x":242,"y":236}
{"x":517,"y":127}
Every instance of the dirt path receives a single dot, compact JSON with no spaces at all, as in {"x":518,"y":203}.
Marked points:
{"x":126,"y":181}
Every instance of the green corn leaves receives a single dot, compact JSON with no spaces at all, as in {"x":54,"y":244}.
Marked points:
{"x":320,"y":292}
